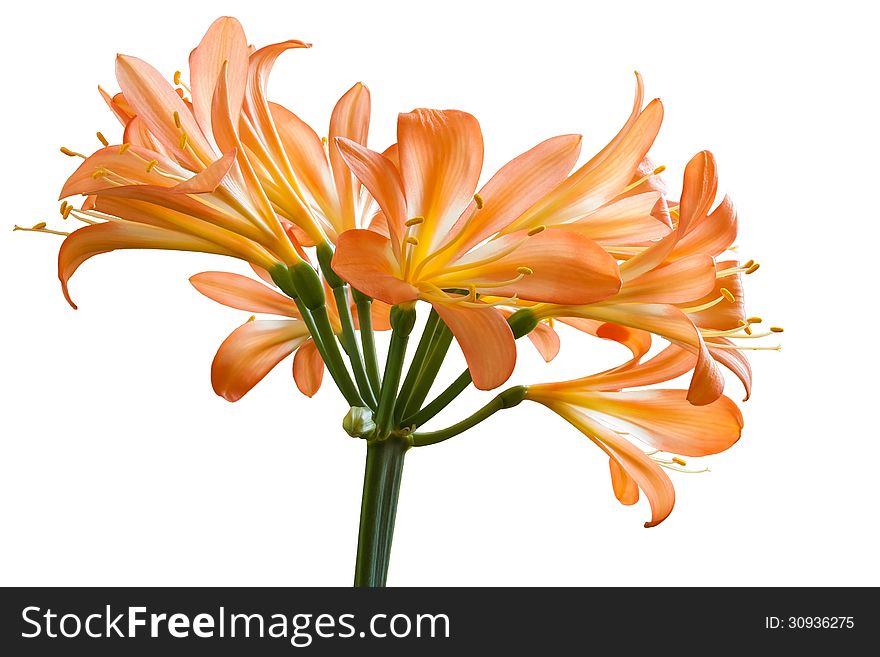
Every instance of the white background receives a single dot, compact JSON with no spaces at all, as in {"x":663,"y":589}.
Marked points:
{"x":119,"y":465}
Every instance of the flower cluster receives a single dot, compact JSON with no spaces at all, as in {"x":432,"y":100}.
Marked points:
{"x":345,"y":241}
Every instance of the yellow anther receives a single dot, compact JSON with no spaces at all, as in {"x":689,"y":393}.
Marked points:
{"x":412,"y":240}
{"x":67,"y":211}
{"x":176,"y":120}
{"x":70,"y":153}
{"x":479,"y":201}
{"x":151,"y":164}
{"x":124,"y":148}
{"x":749,"y":264}
{"x":660,"y":169}
{"x":745,"y":326}
{"x":754,"y":320}
{"x":176,"y":77}
{"x":537,"y":229}
{"x":415,"y":221}
{"x":39,"y":226}
{"x":525,"y":271}
{"x":727,"y":294}
{"x":102,"y":139}
{"x":323,"y":141}
{"x":753,"y":268}
{"x":184,"y":140}
{"x":251,"y":318}
{"x":472,"y":292}
{"x":679,"y":461}
{"x":63,"y":207}
{"x":777,"y":329}
{"x":99,"y":173}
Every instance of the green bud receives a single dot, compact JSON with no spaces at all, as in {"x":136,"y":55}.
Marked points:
{"x":308,"y":285}
{"x":522,"y":322}
{"x":358,"y":422}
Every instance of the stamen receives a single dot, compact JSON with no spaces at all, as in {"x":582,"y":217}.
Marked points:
{"x":753,"y":268}
{"x":176,"y":119}
{"x":99,"y":173}
{"x":184,"y":140}
{"x":701,"y":307}
{"x":40,"y":228}
{"x":102,"y":139}
{"x":746,"y":327}
{"x":754,"y":320}
{"x":777,"y":329}
{"x":415,"y":221}
{"x":66,"y":209}
{"x":151,"y":164}
{"x":727,"y":294}
{"x":251,"y":318}
{"x":479,"y":201}
{"x":177,"y":78}
{"x":412,"y":240}
{"x":679,"y":461}
{"x":737,"y":347}
{"x":748,"y":264}
{"x":638,"y":182}
{"x":70,"y":153}
{"x":124,"y":148}
{"x":525,"y":271}
{"x":537,"y":229}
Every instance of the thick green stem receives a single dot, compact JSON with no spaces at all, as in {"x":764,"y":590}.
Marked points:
{"x":382,"y":475}
{"x":365,"y":320}
{"x":430,"y":369}
{"x":507,"y":399}
{"x":423,"y":350}
{"x":402,"y":319}
{"x":521,"y":323}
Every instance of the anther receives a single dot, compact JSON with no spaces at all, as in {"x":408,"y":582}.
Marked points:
{"x":176,"y":77}
{"x":746,"y":327}
{"x":777,"y":329}
{"x":102,"y":139}
{"x":479,"y":201}
{"x":753,"y":268}
{"x":70,"y":153}
{"x":537,"y":229}
{"x":151,"y":164}
{"x":176,"y":119}
{"x":679,"y":461}
{"x":39,"y":226}
{"x":727,"y":294}
{"x":659,"y":170}
{"x":525,"y":271}
{"x":99,"y":173}
{"x":415,"y":221}
{"x":124,"y":148}
{"x":184,"y":139}
{"x":251,"y":318}
{"x":749,"y":264}
{"x":754,"y":320}
{"x":412,"y":240}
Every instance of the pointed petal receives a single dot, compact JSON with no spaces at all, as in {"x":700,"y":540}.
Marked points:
{"x":516,"y":186}
{"x":713,"y":235}
{"x":308,"y":368}
{"x":623,"y":221}
{"x":250,"y":352}
{"x":567,"y":268}
{"x":366,"y":260}
{"x":351,"y":120}
{"x":95,"y":239}
{"x":131,"y":164}
{"x":723,"y":315}
{"x":118,"y":106}
{"x":681,"y":281}
{"x":485,"y":339}
{"x":598,"y":182}
{"x":667,"y":421}
{"x":669,"y":364}
{"x":441,"y":156}
{"x":224,"y":42}
{"x":636,"y":340}
{"x":243,"y":293}
{"x":209,"y":179}
{"x":698,"y":190}
{"x":733,"y":360}
{"x":153,"y":99}
{"x":626,"y":490}
{"x":379,"y":175}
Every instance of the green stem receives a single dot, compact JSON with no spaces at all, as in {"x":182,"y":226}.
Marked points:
{"x":521,"y":323}
{"x":402,"y":319}
{"x":507,"y":399}
{"x":430,"y":369}
{"x":415,"y":367}
{"x":382,"y":475}
{"x":349,"y":340}
{"x":365,"y":320}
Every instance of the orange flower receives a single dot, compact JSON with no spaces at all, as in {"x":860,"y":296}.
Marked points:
{"x":436,"y":250}
{"x":665,"y":420}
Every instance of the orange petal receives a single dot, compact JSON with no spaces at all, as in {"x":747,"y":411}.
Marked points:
{"x":681,"y":281}
{"x":567,"y":268}
{"x":598,"y":182}
{"x":626,"y":490}
{"x":137,"y":133}
{"x":366,"y":260}
{"x":153,"y":99}
{"x":243,"y":293}
{"x":118,"y":106}
{"x":632,"y":460}
{"x":224,"y":42}
{"x":669,"y":364}
{"x":723,"y":315}
{"x":308,"y":368}
{"x":132,"y":165}
{"x":667,"y":421}
{"x":623,"y":221}
{"x":544,"y":338}
{"x":379,"y":175}
{"x":733,"y":360}
{"x":712,"y":234}
{"x":351,"y":120}
{"x":95,"y":239}
{"x":669,"y":322}
{"x":441,"y":155}
{"x":209,"y":179}
{"x":251,"y":351}
{"x":485,"y":339}
{"x":516,"y":186}
{"x":698,"y":190}
{"x":307,"y":157}
{"x":636,"y":340}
